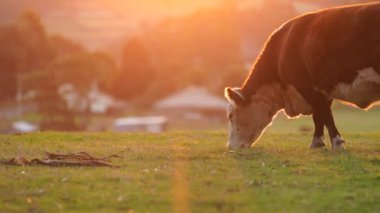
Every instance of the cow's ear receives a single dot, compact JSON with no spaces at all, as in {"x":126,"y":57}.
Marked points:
{"x":234,"y":95}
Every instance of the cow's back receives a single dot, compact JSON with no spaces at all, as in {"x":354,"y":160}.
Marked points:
{"x":329,"y":47}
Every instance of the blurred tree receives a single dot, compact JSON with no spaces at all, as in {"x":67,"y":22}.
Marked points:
{"x":35,"y":44}
{"x":24,"y":49}
{"x":63,"y":47}
{"x":136,"y":74}
{"x":106,"y":70}
{"x":10,"y":54}
{"x":201,"y":48}
{"x":258,"y":23}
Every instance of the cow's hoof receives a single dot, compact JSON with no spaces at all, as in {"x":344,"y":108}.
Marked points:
{"x":317,"y":142}
{"x":337,"y":143}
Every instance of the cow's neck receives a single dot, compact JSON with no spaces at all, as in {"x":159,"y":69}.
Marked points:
{"x":262,"y":74}
{"x":277,"y":97}
{"x":264,"y":70}
{"x":271,"y":96}
{"x":264,"y":84}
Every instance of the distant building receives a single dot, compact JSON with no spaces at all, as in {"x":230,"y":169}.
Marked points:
{"x":153,"y":124}
{"x":100,"y":102}
{"x":96,"y":101}
{"x":192,"y":103}
{"x":24,"y":127}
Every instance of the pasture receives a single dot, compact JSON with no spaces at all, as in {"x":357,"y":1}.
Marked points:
{"x":192,"y":172}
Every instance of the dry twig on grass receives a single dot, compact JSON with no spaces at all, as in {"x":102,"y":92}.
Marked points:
{"x":56,"y":160}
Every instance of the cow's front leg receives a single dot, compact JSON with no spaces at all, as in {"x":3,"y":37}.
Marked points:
{"x":317,"y":141}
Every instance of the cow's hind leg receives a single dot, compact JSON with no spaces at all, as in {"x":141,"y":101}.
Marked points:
{"x":336,"y":139}
{"x":321,"y":114}
{"x":317,"y":141}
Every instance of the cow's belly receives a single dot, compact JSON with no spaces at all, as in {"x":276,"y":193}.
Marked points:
{"x":294,"y":104}
{"x":362,"y":92}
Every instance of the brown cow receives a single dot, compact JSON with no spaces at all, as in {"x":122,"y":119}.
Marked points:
{"x":306,"y":64}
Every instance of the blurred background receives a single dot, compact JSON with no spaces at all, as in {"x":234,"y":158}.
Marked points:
{"x":146,"y":65}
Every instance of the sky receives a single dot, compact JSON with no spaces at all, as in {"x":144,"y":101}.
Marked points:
{"x":97,"y":23}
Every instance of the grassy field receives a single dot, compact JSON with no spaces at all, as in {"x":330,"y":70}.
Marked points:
{"x":192,"y":172}
{"x":348,"y":119}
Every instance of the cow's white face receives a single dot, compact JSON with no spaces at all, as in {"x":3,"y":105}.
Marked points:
{"x":247,"y":119}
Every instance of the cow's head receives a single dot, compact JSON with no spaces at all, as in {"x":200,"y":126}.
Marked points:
{"x":247,"y":116}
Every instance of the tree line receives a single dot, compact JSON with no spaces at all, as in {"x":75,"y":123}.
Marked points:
{"x":212,"y":48}
{"x":205,"y":48}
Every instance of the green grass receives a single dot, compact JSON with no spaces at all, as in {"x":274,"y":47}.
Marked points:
{"x":348,"y":119}
{"x":193,"y":172}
